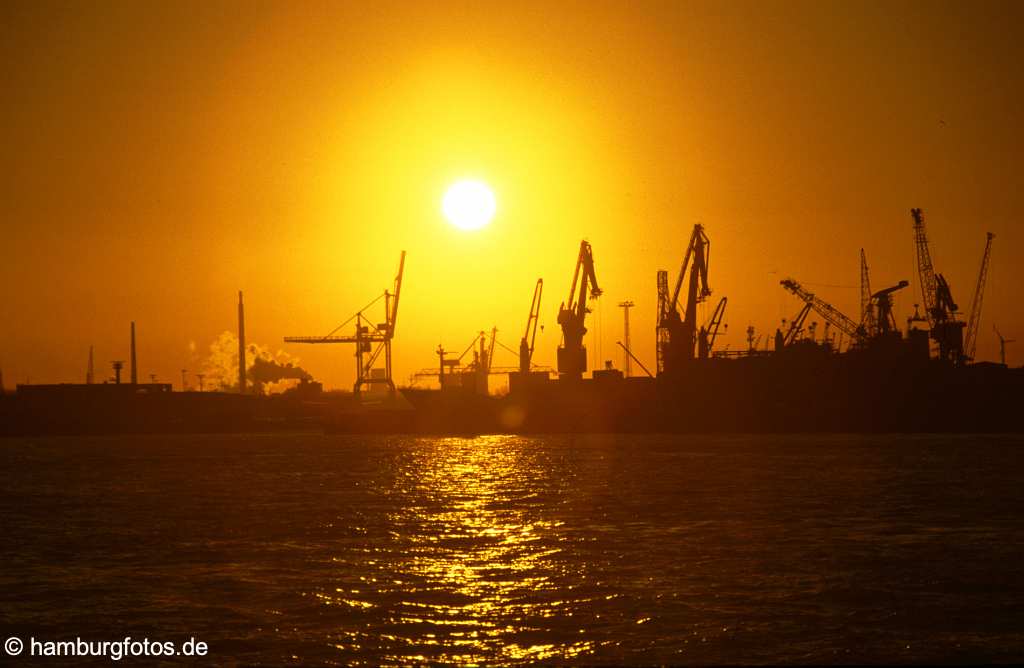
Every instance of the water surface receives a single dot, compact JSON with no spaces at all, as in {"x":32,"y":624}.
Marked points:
{"x":603,"y":549}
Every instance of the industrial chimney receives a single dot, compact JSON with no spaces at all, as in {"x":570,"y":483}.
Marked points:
{"x":241,"y":345}
{"x":134,"y":369}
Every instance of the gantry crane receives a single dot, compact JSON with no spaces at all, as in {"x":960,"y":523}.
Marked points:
{"x":939,"y":307}
{"x":708,"y":333}
{"x":572,"y":354}
{"x":971,"y":340}
{"x":677,"y":334}
{"x":867,"y":307}
{"x":530,"y":335}
{"x":366,"y":334}
{"x":827,"y":311}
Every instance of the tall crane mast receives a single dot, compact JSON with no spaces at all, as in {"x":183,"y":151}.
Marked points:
{"x":366,"y":334}
{"x":572,"y":355}
{"x":940,"y":309}
{"x":487,"y":357}
{"x":867,"y":307}
{"x":677,"y":333}
{"x":662,"y":339}
{"x":827,"y":311}
{"x":530,"y":335}
{"x":971,"y":338}
{"x":926,"y":272}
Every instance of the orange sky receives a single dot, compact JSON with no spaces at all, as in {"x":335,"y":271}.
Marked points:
{"x":158,"y":160}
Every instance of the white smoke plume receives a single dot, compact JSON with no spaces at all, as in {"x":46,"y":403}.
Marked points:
{"x":268,"y":372}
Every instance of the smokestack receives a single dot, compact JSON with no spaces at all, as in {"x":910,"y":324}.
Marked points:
{"x":241,"y":345}
{"x":89,"y":373}
{"x":134,"y":369}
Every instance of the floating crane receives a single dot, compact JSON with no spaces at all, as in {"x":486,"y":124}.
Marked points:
{"x":971,"y":340}
{"x":366,"y":335}
{"x":707,"y":335}
{"x":939,"y":307}
{"x":881,"y":304}
{"x":572,"y":354}
{"x":830,"y":313}
{"x":867,"y":308}
{"x":677,"y":334}
{"x":530,"y":336}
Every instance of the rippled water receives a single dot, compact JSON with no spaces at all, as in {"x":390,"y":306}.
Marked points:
{"x":605,"y":549}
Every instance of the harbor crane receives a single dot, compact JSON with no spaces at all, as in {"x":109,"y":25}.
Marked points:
{"x":881,"y":306}
{"x":867,"y":308}
{"x":452,"y":374}
{"x":707,"y":335}
{"x":971,"y":340}
{"x":796,"y":326}
{"x":939,"y":307}
{"x":677,"y":333}
{"x":530,"y":336}
{"x":371,"y":339}
{"x":572,"y":354}
{"x":830,"y":313}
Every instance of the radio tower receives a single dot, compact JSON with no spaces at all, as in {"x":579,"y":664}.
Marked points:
{"x":626,"y":362}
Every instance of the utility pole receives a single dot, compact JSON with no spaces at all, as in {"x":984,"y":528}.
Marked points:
{"x":626,"y":361}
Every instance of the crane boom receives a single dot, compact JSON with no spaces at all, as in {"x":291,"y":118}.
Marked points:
{"x":971,"y":338}
{"x":925,"y":270}
{"x":826,"y":311}
{"x":708,"y":334}
{"x":867,"y":308}
{"x":393,"y":311}
{"x":530,"y":335}
{"x":796,"y":326}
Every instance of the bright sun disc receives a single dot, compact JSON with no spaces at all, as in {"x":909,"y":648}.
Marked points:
{"x":469,"y":205}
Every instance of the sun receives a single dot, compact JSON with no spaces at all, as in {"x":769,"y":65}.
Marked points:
{"x":469,"y":205}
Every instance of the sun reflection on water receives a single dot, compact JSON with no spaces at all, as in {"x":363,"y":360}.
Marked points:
{"x":470,"y":568}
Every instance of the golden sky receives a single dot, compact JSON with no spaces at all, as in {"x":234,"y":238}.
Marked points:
{"x":158,"y":157}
